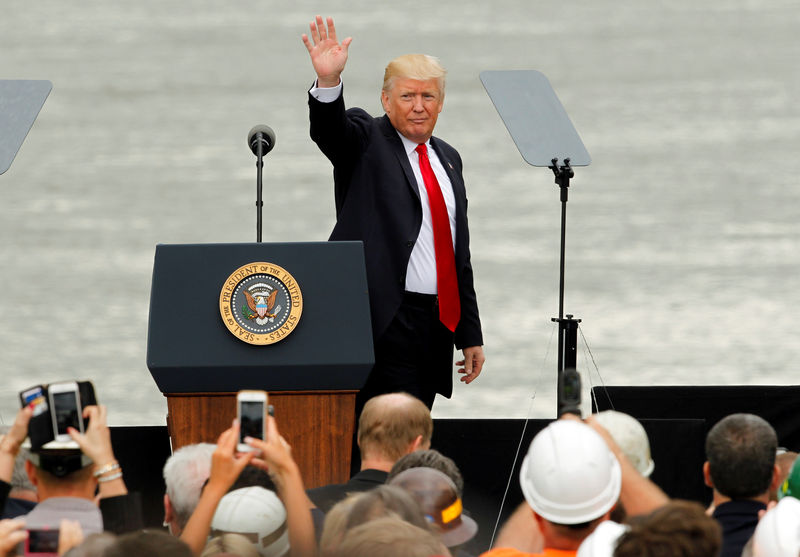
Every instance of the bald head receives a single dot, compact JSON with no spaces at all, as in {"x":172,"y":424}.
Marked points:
{"x":393,"y":425}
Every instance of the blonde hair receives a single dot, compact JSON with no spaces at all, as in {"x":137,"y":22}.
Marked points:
{"x":230,"y":544}
{"x":414,"y":66}
{"x":360,"y":508}
{"x":390,"y":537}
{"x":335,"y":525}
{"x":390,"y":423}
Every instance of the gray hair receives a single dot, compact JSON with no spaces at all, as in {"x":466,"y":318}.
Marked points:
{"x":185,"y":472}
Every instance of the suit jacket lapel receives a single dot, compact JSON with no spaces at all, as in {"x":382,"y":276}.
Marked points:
{"x":400,"y":153}
{"x":455,"y":177}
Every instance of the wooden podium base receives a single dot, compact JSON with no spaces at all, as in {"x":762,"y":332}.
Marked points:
{"x":317,"y":424}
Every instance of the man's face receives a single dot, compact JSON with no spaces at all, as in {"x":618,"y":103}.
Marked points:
{"x":413,"y":107}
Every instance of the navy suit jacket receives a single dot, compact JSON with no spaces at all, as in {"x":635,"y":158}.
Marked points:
{"x":377,"y":202}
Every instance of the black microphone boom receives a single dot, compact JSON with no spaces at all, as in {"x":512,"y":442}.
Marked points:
{"x":261,"y":134}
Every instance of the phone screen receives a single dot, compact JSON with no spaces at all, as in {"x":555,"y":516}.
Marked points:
{"x":42,"y":542}
{"x":251,"y":420}
{"x":66,"y":411}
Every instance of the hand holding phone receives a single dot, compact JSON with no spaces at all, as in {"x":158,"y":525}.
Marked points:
{"x":251,"y":412}
{"x":12,"y":536}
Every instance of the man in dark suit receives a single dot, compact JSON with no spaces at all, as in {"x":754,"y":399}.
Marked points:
{"x":400,"y":191}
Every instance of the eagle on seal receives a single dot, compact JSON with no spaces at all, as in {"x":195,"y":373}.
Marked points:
{"x":260,"y":306}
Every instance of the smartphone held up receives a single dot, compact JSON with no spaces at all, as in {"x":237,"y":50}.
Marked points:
{"x":65,"y":402}
{"x":251,"y":409}
{"x":42,"y":543}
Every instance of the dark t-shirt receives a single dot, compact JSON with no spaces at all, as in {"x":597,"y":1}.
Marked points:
{"x":738,"y":520}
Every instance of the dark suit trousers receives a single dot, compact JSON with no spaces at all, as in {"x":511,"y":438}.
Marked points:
{"x":414,"y":354}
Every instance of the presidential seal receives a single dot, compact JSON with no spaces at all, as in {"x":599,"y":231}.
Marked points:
{"x":260,"y":303}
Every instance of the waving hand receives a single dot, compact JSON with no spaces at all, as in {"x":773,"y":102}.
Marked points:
{"x":328,"y":56}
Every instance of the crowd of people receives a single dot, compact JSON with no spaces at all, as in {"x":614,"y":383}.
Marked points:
{"x":585,"y":486}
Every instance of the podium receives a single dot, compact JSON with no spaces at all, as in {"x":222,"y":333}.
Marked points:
{"x":312,"y":374}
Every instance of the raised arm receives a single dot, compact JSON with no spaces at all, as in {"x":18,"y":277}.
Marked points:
{"x":639,"y":495}
{"x":276,"y":458}
{"x":11,"y":442}
{"x":226,"y":466}
{"x":96,"y":444}
{"x":328,"y":56}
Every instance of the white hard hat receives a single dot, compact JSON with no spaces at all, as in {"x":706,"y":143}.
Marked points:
{"x":258,"y":514}
{"x":631,"y":438}
{"x":778,"y":531}
{"x":603,"y":540}
{"x":569,"y":475}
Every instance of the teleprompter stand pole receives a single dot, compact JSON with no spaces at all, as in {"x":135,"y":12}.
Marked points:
{"x":568,"y":379}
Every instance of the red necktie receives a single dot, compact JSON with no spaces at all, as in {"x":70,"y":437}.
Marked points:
{"x":446,"y":281}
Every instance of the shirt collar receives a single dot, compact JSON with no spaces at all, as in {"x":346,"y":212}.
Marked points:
{"x":409,"y":145}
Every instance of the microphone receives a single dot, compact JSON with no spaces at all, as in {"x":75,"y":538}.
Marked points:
{"x":261,"y":134}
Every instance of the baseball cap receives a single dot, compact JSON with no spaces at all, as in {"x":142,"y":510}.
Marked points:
{"x":256,"y":513}
{"x":438,"y":498}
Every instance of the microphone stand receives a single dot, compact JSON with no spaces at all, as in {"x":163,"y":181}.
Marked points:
{"x":259,"y":202}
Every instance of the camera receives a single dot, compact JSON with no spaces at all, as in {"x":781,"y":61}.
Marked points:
{"x":42,"y":543}
{"x":569,"y":392}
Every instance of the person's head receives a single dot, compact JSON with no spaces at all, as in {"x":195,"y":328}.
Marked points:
{"x":392,"y":425}
{"x":385,"y":500}
{"x":359,"y":508}
{"x":785,"y":461}
{"x":740,"y":453}
{"x":154,"y":543}
{"x":256,"y":513}
{"x":252,"y":476}
{"x":430,"y":458}
{"x":230,"y":544}
{"x":678,"y":529}
{"x":778,"y":531}
{"x":389,"y":537}
{"x":571,"y":480}
{"x":439,"y":500}
{"x":61,"y":473}
{"x":335,"y":525}
{"x":95,"y":545}
{"x":185,"y":472}
{"x":413,"y":94}
{"x":631,"y":437}
{"x":790,"y":486}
